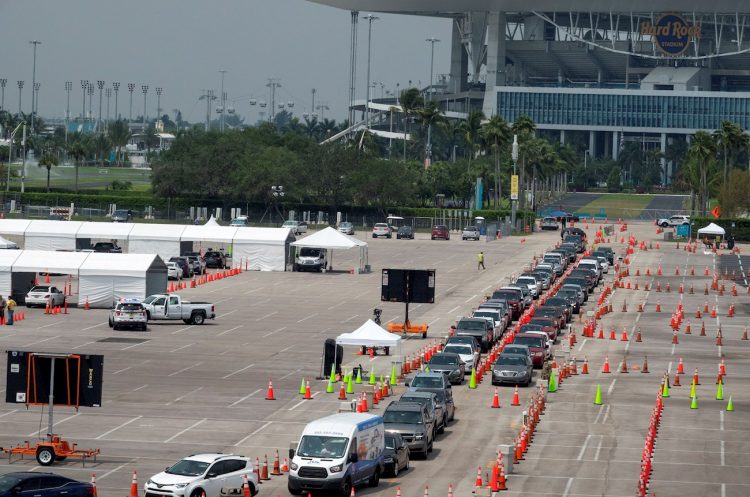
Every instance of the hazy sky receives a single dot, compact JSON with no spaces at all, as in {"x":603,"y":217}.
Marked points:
{"x":180,"y":45}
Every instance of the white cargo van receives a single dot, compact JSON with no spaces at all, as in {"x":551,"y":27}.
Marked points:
{"x":336,"y":453}
{"x":311,"y":259}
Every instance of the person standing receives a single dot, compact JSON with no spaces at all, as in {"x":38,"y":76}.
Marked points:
{"x":480,"y":260}
{"x":11,"y":304}
{"x":2,"y":309}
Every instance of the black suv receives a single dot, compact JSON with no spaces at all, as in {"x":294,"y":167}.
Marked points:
{"x":215,"y":259}
{"x":110,"y":247}
{"x":479,"y":328}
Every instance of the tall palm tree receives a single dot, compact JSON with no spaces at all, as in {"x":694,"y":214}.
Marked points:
{"x":524,"y":127}
{"x":119,"y":135}
{"x":470,"y":130}
{"x":48,"y":160}
{"x":77,"y":150}
{"x":410,"y":100}
{"x":703,"y":153}
{"x":497,"y":134}
{"x":728,"y":138}
{"x":428,"y":116}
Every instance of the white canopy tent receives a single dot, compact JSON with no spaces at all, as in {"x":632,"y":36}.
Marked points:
{"x":211,"y":221}
{"x":15,"y":227}
{"x":161,"y":239}
{"x":106,"y":278}
{"x":51,"y":235}
{"x":712,"y":230}
{"x":7,"y":244}
{"x":36,"y":261}
{"x":262,"y":249}
{"x":7,"y":259}
{"x":331,"y":238}
{"x":370,"y":334}
{"x":211,"y":234}
{"x":105,"y":231}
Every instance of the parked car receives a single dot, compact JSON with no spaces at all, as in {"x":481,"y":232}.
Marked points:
{"x":128,"y":313}
{"x":608,"y":253}
{"x":465,"y":340}
{"x":514,"y":348}
{"x":511,"y":368}
{"x":495,"y":316}
{"x":470,"y":233}
{"x":203,"y":474}
{"x":346,"y":228}
{"x":311,"y":259}
{"x":172,"y":307}
{"x":41,"y":295}
{"x":185,"y":265}
{"x":431,"y":401}
{"x":450,"y":365}
{"x":479,"y":328}
{"x":381,"y":229}
{"x":215,"y":259}
{"x":537,"y":346}
{"x":240,"y":221}
{"x":549,"y":223}
{"x":110,"y":247}
{"x":672,"y":221}
{"x":174,"y":271}
{"x":396,"y":454}
{"x":122,"y":216}
{"x":405,"y":232}
{"x":514,"y":298}
{"x":412,"y":421}
{"x":440,"y":231}
{"x":38,"y":484}
{"x":531,"y":283}
{"x":530,"y":329}
{"x":297,"y":227}
{"x":466,"y":352}
{"x":197,"y":263}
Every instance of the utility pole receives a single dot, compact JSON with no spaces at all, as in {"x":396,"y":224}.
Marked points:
{"x":432,"y":41}
{"x":144,"y":89}
{"x":353,"y":65}
{"x":116,"y":87}
{"x":223,"y":100}
{"x":369,"y":18}
{"x":273,"y":83}
{"x":33,"y":84}
{"x":108,"y":94}
{"x":68,"y":88}
{"x":3,"y":82}
{"x":100,"y":85}
{"x":131,"y":87}
{"x":312,"y":109}
{"x":91,"y":100}
{"x":20,"y":90}
{"x":84,"y":87}
{"x":158,"y":101}
{"x":514,"y":202}
{"x":36,"y":94}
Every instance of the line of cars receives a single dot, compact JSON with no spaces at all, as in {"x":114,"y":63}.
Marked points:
{"x":438,"y":232}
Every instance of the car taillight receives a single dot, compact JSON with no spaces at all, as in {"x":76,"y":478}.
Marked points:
{"x":212,"y":308}
{"x":118,"y":313}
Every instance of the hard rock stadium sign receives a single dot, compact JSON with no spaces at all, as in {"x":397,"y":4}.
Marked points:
{"x":671,"y":34}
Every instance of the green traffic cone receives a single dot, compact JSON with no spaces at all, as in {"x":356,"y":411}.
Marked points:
{"x":332,"y":376}
{"x":692,"y":391}
{"x":598,"y":397}
{"x":720,"y":391}
{"x":426,"y":368}
{"x":473,"y":378}
{"x":350,"y":385}
{"x":382,"y":380}
{"x":730,"y":405}
{"x":552,"y":384}
{"x":665,"y":390}
{"x":371,"y":381}
{"x":694,"y":403}
{"x":394,"y":378}
{"x":329,"y":388}
{"x":358,"y":381}
{"x":302,"y":387}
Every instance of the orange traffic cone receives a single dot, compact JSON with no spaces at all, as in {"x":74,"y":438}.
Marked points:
{"x":264,"y":469}
{"x":644,"y":369}
{"x":624,"y":366}
{"x":676,"y":382}
{"x":496,"y":400}
{"x":245,"y":486}
{"x":585,"y":368}
{"x":478,"y":482}
{"x":307,"y":396}
{"x":624,"y":335}
{"x":134,"y":485}
{"x":638,"y":335}
{"x":276,"y":471}
{"x":674,"y":337}
{"x":605,"y":367}
{"x":285,"y":467}
{"x":695,"y":377}
{"x":269,"y":392}
{"x":342,"y":392}
{"x":703,"y":328}
{"x":658,"y":306}
{"x":93,"y":485}
{"x":680,"y":367}
{"x":516,"y":400}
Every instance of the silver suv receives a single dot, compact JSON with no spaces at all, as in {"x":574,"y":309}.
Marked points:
{"x":202,"y":475}
{"x":470,"y":233}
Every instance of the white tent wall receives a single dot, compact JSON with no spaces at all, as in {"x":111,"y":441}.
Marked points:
{"x":106,"y":278}
{"x":7,"y":258}
{"x":46,"y":242}
{"x":103,"y":291}
{"x":260,"y":256}
{"x":163,"y":248}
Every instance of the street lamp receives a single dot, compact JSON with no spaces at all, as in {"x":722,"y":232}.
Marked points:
{"x":369,"y":18}
{"x":144,"y":89}
{"x":514,"y":202}
{"x":68,"y":88}
{"x":3,"y":82}
{"x":108,"y":94}
{"x":36,"y":101}
{"x":33,"y":84}
{"x":273,"y":83}
{"x":84,"y":87}
{"x":100,"y":85}
{"x":223,"y":99}
{"x":131,"y":87}
{"x":432,"y":41}
{"x":20,"y":90}
{"x":158,"y":102}
{"x":91,"y":100}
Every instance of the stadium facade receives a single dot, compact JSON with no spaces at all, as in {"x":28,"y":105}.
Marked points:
{"x":646,"y":70}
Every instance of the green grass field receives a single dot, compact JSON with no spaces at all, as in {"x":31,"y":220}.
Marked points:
{"x":88,"y":177}
{"x":618,"y":205}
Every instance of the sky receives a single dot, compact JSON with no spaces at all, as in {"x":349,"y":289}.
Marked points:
{"x":180,"y":45}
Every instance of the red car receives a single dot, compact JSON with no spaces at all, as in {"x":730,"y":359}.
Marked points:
{"x":536,"y":346}
{"x":440,"y":231}
{"x":549,"y":326}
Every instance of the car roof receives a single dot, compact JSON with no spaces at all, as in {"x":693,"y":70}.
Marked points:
{"x":418,"y":395}
{"x":514,"y":345}
{"x":448,"y":354}
{"x":471,"y":319}
{"x":404,"y":406}
{"x":429,"y":375}
{"x":208,"y":457}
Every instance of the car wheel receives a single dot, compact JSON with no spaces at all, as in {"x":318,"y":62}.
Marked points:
{"x":198,"y":318}
{"x":197,"y":492}
{"x":394,"y":472}
{"x":406,"y":464}
{"x":115,"y":326}
{"x":441,"y":430}
{"x":346,"y":490}
{"x":45,"y":456}
{"x":664,"y":224}
{"x":111,"y":324}
{"x":375,"y":480}
{"x":293,"y":491}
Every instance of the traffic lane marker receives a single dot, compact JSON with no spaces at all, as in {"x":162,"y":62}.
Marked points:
{"x":181,"y":432}
{"x":237,"y":372}
{"x":126,"y":423}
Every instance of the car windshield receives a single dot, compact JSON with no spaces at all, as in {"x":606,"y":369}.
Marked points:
{"x":427,"y":381}
{"x":149,"y":299}
{"x":470,"y":228}
{"x":443,"y":359}
{"x":530,"y":341}
{"x":459,"y":349}
{"x":322,"y":447}
{"x":402,"y":417}
{"x":7,"y":482}
{"x":390,"y":441}
{"x":188,"y":467}
{"x":404,"y":229}
{"x":551,"y":258}
{"x":289,"y":223}
{"x":309,"y":252}
{"x":526,"y":281}
{"x":506,"y":294}
{"x":439,"y":393}
{"x":470,"y":325}
{"x":485,"y":314}
{"x":121,"y":213}
{"x":419,"y":400}
{"x":381,"y":225}
{"x":509,"y":349}
{"x":42,"y":289}
{"x":511,"y":360}
{"x":542,"y":312}
{"x":129,"y":307}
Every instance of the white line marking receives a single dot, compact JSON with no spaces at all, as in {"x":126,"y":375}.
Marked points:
{"x":598,"y":448}
{"x":485,"y":288}
{"x":606,"y":414}
{"x":39,"y":341}
{"x":583,"y":447}
{"x":566,"y":492}
{"x":722,"y":452}
{"x":580,"y":347}
{"x":286,"y":348}
{"x":673,"y":347}
{"x":183,"y":396}
{"x":114,"y":470}
{"x":254,"y":290}
{"x":295,"y":406}
{"x":274,"y":331}
{"x":721,"y":420}
{"x":723,"y":490}
{"x":470,"y":299}
{"x":267,"y":315}
{"x":253,"y":433}
{"x":185,"y":430}
{"x":611,"y":387}
{"x":229,"y":330}
{"x":8,"y":413}
{"x":237,"y":372}
{"x":140,"y":387}
{"x":186,"y":369}
{"x":122,"y":370}
{"x":47,"y":326}
{"x":35,"y":433}
{"x":434,"y":321}
{"x":226,"y":313}
{"x":290,"y":374}
{"x":669,"y":367}
{"x":84,"y":344}
{"x":349,"y":319}
{"x":454,"y":309}
{"x":244,"y":398}
{"x":183,"y":329}
{"x":451,"y":288}
{"x":126,"y":423}
{"x":134,"y":345}
{"x":94,"y":326}
{"x":183,"y":347}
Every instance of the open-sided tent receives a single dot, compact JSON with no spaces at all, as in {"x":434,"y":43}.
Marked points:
{"x":7,"y":244}
{"x":331,"y":238}
{"x":161,"y":239}
{"x":104,"y":231}
{"x":51,"y":235}
{"x":7,"y":259}
{"x":211,"y":221}
{"x":370,"y":334}
{"x":14,"y":227}
{"x":210,"y":236}
{"x":106,"y":278}
{"x":711,"y":230}
{"x":262,"y":249}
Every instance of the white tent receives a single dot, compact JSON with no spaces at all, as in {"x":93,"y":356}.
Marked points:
{"x":262,"y":249}
{"x":106,"y":278}
{"x":42,"y":261}
{"x":15,"y":227}
{"x":331,"y":238}
{"x":7,"y":244}
{"x":51,"y":235}
{"x":105,"y":231}
{"x":211,"y":221}
{"x":712,"y":230}
{"x":7,"y":258}
{"x":161,"y":239}
{"x":369,"y":334}
{"x":209,"y":233}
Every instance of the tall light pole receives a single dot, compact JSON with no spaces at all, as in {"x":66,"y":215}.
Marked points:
{"x":84,"y":87}
{"x":273,"y":83}
{"x":312,"y":108}
{"x":514,"y":202}
{"x":144,"y":89}
{"x":223,"y":100}
{"x":158,"y":101}
{"x":116,"y":87}
{"x":100,"y":85}
{"x":131,"y":87}
{"x":3,"y":82}
{"x":432,"y":40}
{"x":68,"y":88}
{"x":207,"y":95}
{"x":91,"y":101}
{"x":369,"y":18}
{"x":20,"y":90}
{"x":36,"y":94}
{"x":353,"y":65}
{"x":108,"y":94}
{"x":33,"y":84}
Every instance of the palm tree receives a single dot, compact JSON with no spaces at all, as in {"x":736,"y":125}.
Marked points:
{"x":410,"y":100}
{"x":48,"y":160}
{"x":119,"y":135}
{"x":428,"y":116}
{"x":77,"y":150}
{"x":728,"y":137}
{"x":497,"y":134}
{"x":471,"y":131}
{"x":703,"y":154}
{"x":524,"y":127}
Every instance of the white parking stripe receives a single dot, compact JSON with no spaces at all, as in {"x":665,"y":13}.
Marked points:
{"x":185,"y":430}
{"x":253,"y":433}
{"x":237,"y":372}
{"x":126,"y":423}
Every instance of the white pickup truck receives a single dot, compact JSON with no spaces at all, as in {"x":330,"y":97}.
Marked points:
{"x":172,"y":307}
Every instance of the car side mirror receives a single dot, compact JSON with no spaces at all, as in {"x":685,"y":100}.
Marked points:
{"x":353,"y":457}
{"x":211,"y":474}
{"x":291,"y":453}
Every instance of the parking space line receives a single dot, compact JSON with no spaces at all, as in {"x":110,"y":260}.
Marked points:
{"x":126,"y":423}
{"x":580,"y":347}
{"x":274,"y":331}
{"x":8,"y":413}
{"x":267,"y":316}
{"x":611,"y":387}
{"x":47,"y":326}
{"x":196,"y":390}
{"x":186,"y":369}
{"x":115,"y":469}
{"x":122,"y":370}
{"x":470,"y":299}
{"x":721,"y":448}
{"x":83,"y":344}
{"x":228,"y":331}
{"x":134,"y":345}
{"x":244,"y":398}
{"x":349,"y":319}
{"x":255,"y":432}
{"x":185,"y":430}
{"x":253,"y":290}
{"x":598,"y":448}
{"x":295,"y":406}
{"x":140,"y":388}
{"x":290,"y":374}
{"x":37,"y":432}
{"x":94,"y":326}
{"x":226,"y":314}
{"x":183,"y":329}
{"x":566,"y":492}
{"x":583,"y":447}
{"x":434,"y":321}
{"x":454,"y":309}
{"x":237,"y":372}
{"x":40,"y":341}
{"x":183,"y":347}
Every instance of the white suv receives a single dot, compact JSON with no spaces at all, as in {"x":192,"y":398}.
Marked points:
{"x":673,"y":221}
{"x":202,"y":474}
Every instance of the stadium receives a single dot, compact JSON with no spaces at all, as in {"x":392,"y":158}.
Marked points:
{"x":598,"y":72}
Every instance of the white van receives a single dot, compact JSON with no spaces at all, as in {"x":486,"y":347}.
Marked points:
{"x":336,"y":453}
{"x":591,"y":264}
{"x":311,"y":259}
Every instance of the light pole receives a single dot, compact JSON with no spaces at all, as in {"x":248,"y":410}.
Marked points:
{"x":514,"y":202}
{"x":84,"y":87}
{"x":369,"y":18}
{"x":10,"y":150}
{"x":108,"y":94}
{"x":131,"y":87}
{"x":91,"y":101}
{"x":3,"y":82}
{"x":33,"y":84}
{"x":208,"y":95}
{"x":432,"y":40}
{"x":312,"y":108}
{"x":158,"y":101}
{"x":322,"y":108}
{"x":116,"y":87}
{"x":68,"y":88}
{"x":144,"y":89}
{"x":273,"y":83}
{"x":223,"y":100}
{"x":36,"y":94}
{"x":100,"y":85}
{"x":20,"y":90}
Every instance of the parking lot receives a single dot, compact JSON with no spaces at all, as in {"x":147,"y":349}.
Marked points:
{"x":182,"y":389}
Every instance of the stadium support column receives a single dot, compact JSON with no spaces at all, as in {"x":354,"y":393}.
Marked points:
{"x":663,"y":160}
{"x":459,"y":60}
{"x":615,"y":145}
{"x":495,"y":60}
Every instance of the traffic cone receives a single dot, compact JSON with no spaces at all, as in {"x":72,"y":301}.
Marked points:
{"x":516,"y":400}
{"x":696,"y":380}
{"x":372,"y":380}
{"x":722,"y":368}
{"x":601,"y":333}
{"x":134,"y":485}
{"x":676,"y":382}
{"x":245,"y":486}
{"x":93,"y":485}
{"x":493,"y":484}
{"x":674,"y":337}
{"x":46,"y":278}
{"x":703,"y":328}
{"x":612,"y":334}
{"x":394,"y":378}
{"x":329,"y":386}
{"x":302,"y":387}
{"x":276,"y":471}
{"x":720,"y":391}
{"x":638,"y":335}
{"x":496,"y":400}
{"x":358,"y":380}
{"x":605,"y":366}
{"x":687,"y":329}
{"x":285,"y":466}
{"x":478,"y":482}
{"x":624,"y":335}
{"x":269,"y":392}
{"x":552,"y":383}
{"x":307,"y":396}
{"x":644,"y":369}
{"x":692,"y":390}
{"x":744,"y":333}
{"x":398,"y":491}
{"x":264,"y":469}
{"x":694,"y":403}
{"x":473,"y":378}
{"x":624,"y":366}
{"x":342,"y":392}
{"x":585,"y":368}
{"x":350,"y":385}
{"x":665,"y":390}
{"x":658,"y":306}
{"x":598,"y":396}
{"x":450,"y":487}
{"x":730,"y":405}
